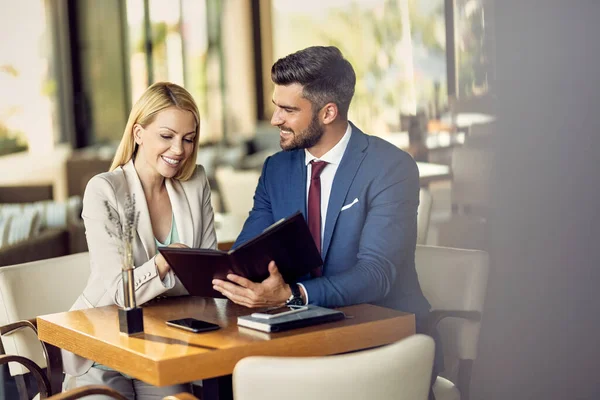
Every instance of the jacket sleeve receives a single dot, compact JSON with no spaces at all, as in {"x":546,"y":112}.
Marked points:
{"x":386,"y":240}
{"x":105,"y":259}
{"x":261,"y":215}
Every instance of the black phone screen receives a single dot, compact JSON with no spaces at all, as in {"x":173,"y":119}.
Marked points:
{"x":194,"y":325}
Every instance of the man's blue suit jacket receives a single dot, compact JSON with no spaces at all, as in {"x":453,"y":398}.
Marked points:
{"x":369,"y":247}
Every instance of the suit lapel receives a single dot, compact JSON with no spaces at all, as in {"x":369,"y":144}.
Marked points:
{"x":144,"y":228}
{"x":297,"y":183}
{"x":344,"y":176}
{"x":181,"y":212}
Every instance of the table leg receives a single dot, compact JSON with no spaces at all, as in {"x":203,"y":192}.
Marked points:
{"x":55,"y":368}
{"x":219,"y":388}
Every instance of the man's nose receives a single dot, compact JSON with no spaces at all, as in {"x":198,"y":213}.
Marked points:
{"x":276,"y":119}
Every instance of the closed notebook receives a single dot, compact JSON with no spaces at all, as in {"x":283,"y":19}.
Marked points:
{"x":313,"y":316}
{"x":288,"y":242}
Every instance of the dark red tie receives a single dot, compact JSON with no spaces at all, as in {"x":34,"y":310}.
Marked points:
{"x":314,"y":207}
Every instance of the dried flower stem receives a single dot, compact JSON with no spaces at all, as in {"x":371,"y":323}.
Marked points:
{"x":123,"y":232}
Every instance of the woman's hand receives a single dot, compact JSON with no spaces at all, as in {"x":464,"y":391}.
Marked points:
{"x":162,"y":266}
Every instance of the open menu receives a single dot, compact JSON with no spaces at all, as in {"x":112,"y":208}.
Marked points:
{"x":288,"y":242}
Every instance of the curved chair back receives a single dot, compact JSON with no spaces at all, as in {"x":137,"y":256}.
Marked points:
{"x":454,"y":281}
{"x":423,"y":215}
{"x":400,"y":371}
{"x":38,"y":288}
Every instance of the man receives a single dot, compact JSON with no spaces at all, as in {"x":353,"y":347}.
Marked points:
{"x":363,"y":216}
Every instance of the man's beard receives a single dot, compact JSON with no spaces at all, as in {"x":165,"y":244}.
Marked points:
{"x":306,"y":138}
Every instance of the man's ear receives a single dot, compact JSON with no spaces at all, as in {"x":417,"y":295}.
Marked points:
{"x":137,"y":133}
{"x":330,"y":113}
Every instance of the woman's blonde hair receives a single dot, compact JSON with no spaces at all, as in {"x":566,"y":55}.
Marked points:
{"x":156,"y":98}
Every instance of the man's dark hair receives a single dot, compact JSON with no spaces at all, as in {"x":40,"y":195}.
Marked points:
{"x":325,"y":75}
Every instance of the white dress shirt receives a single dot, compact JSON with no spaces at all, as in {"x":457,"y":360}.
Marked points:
{"x":333,"y":158}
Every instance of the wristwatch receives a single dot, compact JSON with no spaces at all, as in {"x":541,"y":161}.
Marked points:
{"x":296,"y":297}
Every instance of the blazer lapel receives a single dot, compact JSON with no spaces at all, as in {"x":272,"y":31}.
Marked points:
{"x":297,"y":183}
{"x":344,"y":176}
{"x":144,"y":228}
{"x":181,"y":212}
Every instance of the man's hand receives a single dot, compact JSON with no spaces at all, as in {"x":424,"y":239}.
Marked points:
{"x":273,"y":291}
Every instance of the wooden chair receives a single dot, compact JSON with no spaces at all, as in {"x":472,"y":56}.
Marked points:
{"x":42,"y":290}
{"x":44,"y":287}
{"x":73,"y":394}
{"x":43,"y":384}
{"x":82,"y":392}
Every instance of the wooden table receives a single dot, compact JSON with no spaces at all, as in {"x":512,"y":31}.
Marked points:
{"x":165,"y":356}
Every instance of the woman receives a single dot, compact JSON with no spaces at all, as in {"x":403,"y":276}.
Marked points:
{"x":156,"y":164}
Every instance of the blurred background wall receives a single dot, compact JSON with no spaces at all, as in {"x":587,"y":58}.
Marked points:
{"x":541,"y":325}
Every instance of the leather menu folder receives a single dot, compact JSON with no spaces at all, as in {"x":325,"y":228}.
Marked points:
{"x":288,"y":242}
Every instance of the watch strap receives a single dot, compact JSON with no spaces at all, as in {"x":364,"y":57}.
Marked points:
{"x":296,"y":297}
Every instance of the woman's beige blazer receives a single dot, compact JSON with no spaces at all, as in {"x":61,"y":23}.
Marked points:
{"x":190,"y":202}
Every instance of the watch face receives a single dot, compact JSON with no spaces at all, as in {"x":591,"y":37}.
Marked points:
{"x":296,"y":301}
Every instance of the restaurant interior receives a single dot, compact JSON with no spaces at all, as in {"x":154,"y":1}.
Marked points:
{"x":494,"y":100}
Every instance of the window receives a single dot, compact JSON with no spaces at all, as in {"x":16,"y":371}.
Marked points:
{"x":471,"y":52}
{"x":28,"y":100}
{"x":397,"y":48}
{"x":169,"y":41}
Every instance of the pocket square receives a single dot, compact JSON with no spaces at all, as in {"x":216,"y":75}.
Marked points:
{"x":347,"y":206}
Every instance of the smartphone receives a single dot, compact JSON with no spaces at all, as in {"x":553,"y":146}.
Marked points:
{"x":193,"y":325}
{"x":278,"y":312}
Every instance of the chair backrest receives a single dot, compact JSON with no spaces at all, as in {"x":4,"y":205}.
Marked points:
{"x":423,"y":215}
{"x":454,"y":280}
{"x":398,"y":371}
{"x":38,"y":288}
{"x":471,"y":169}
{"x":463,"y":232}
{"x":237,"y":188}
{"x":83,"y":392}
